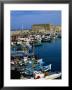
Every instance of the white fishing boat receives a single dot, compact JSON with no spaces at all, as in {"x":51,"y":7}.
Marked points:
{"x":46,"y":38}
{"x":53,"y":76}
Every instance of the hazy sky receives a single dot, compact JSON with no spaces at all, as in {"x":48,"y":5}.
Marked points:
{"x":28,"y":18}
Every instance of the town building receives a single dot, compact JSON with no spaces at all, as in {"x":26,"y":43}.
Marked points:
{"x":46,"y":28}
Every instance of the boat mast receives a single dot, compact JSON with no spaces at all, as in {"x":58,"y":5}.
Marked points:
{"x":33,"y":48}
{"x":22,"y":29}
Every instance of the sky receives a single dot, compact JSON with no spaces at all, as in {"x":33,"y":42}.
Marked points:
{"x":25,"y":19}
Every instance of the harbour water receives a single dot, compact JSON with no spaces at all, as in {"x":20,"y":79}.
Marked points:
{"x":51,"y":54}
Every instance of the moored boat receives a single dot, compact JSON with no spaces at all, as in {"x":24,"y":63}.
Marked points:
{"x":53,"y":76}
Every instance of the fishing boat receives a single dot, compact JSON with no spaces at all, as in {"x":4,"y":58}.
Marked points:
{"x":53,"y":76}
{"x":37,"y":42}
{"x":59,"y":35}
{"x":46,"y":38}
{"x":47,"y":67}
{"x":32,"y":65}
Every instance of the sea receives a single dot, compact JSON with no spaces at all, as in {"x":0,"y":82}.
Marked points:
{"x":50,"y":52}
